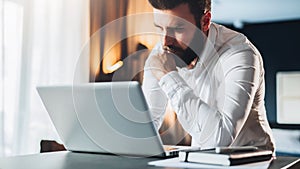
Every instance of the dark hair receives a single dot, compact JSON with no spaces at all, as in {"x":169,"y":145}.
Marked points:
{"x":197,"y":7}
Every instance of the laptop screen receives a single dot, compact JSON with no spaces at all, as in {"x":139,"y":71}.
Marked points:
{"x":114,"y":116}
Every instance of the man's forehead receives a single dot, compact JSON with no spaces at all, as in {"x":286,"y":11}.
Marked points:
{"x":168,"y":20}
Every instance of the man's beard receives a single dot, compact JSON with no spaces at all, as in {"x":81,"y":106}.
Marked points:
{"x":184,"y":57}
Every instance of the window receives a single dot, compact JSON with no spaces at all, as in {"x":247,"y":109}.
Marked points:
{"x":11,"y":46}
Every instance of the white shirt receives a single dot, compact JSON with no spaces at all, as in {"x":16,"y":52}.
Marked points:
{"x":220,"y":102}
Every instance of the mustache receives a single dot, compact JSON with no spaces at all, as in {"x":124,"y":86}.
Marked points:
{"x":172,"y":49}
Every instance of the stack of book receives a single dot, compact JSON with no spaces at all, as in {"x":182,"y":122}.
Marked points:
{"x":226,"y":155}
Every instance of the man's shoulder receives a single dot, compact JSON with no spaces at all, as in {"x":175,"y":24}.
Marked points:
{"x":226,"y":35}
{"x":228,"y":40}
{"x":225,"y":30}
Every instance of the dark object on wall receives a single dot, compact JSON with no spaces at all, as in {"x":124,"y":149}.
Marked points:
{"x":278,"y":42}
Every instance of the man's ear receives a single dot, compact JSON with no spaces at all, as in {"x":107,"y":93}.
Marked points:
{"x":205,"y":21}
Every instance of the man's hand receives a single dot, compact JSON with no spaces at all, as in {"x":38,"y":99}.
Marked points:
{"x":161,"y":64}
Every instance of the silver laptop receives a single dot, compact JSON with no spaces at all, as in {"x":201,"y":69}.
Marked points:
{"x":110,"y":117}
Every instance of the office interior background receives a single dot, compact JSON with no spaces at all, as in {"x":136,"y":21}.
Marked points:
{"x":47,"y":42}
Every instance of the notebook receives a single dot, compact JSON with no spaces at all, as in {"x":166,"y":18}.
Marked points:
{"x":106,"y":117}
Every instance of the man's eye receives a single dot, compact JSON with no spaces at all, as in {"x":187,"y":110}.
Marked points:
{"x":179,"y":29}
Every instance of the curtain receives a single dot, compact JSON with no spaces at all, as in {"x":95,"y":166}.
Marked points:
{"x":103,"y":13}
{"x":41,"y":44}
{"x":1,"y":78}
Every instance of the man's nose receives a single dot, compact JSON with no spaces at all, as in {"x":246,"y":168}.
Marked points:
{"x":168,"y":39}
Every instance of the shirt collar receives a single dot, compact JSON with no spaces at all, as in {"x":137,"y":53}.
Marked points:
{"x":209,"y":51}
